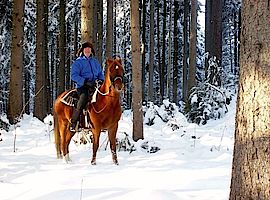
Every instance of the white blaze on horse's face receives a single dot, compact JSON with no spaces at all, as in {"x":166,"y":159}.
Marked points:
{"x":117,"y":77}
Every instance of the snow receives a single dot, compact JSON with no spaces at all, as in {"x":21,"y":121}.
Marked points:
{"x":193,"y":163}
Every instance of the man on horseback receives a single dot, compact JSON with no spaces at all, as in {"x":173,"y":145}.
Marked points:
{"x":85,"y":72}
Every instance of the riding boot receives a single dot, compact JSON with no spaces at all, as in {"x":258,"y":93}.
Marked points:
{"x":74,"y":120}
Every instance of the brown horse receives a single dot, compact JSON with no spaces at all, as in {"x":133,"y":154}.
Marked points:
{"x":104,"y":113}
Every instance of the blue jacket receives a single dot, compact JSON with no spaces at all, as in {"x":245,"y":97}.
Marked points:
{"x":85,"y":68}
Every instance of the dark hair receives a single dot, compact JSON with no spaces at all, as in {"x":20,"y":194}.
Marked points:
{"x":84,"y":45}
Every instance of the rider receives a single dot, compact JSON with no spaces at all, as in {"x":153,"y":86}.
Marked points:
{"x":85,"y":72}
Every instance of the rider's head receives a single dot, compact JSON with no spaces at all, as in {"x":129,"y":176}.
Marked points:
{"x":87,"y":49}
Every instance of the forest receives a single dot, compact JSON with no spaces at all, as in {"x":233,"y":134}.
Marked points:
{"x":168,"y":55}
{"x":166,"y":46}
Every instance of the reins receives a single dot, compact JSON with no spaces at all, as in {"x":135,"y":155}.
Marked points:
{"x":112,"y":80}
{"x":98,"y":111}
{"x":103,"y":94}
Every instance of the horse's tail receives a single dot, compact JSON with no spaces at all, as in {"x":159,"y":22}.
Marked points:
{"x":57,"y":137}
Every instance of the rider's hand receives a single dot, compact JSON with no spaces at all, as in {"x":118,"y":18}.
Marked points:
{"x":88,"y":83}
{"x":99,"y":82}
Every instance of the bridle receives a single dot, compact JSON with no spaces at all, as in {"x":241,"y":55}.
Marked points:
{"x":118,"y":77}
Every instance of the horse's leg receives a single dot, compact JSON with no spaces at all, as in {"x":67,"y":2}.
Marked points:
{"x":69,"y":135}
{"x":63,"y":133}
{"x":96,"y":135}
{"x":112,"y":137}
{"x":57,"y":138}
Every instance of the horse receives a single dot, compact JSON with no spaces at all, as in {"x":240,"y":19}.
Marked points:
{"x":105,"y":113}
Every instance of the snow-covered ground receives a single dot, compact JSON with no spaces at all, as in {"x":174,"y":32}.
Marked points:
{"x":193,"y":163}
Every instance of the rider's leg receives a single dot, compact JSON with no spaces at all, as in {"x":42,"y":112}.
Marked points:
{"x":80,"y":105}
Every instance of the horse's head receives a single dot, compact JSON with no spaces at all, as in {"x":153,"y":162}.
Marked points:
{"x":115,"y":71}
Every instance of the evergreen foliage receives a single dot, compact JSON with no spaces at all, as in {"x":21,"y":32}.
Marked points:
{"x":29,"y":54}
{"x":209,"y":99}
{"x":4,"y":125}
{"x":226,"y":76}
{"x":5,"y":52}
{"x":230,"y":42}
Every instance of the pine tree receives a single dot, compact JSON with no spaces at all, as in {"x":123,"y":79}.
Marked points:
{"x":251,"y":157}
{"x":15,"y":104}
{"x":136,"y":72}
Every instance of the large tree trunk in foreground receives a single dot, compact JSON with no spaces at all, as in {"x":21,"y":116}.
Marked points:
{"x":251,"y":161}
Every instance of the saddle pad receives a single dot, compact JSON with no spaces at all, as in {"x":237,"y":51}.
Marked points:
{"x":94,"y":97}
{"x":70,"y":97}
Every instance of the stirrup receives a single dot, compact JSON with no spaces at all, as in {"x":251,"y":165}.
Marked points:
{"x":73,"y":127}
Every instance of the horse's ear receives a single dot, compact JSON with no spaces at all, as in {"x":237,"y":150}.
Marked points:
{"x":119,"y":60}
{"x":109,"y":61}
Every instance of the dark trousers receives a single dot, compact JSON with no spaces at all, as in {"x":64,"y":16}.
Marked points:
{"x":83,"y":93}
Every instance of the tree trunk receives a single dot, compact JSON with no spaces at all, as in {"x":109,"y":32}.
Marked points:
{"x":169,"y":68}
{"x":136,"y":72}
{"x":213,"y":29}
{"x":250,"y":171}
{"x":52,"y":69}
{"x":15,"y":103}
{"x":94,"y":28}
{"x":163,"y":66}
{"x":185,"y":51}
{"x":99,"y":30}
{"x":62,"y":48}
{"x":114,"y":27}
{"x":47,"y":96}
{"x":40,"y":88}
{"x":152,"y":52}
{"x":161,"y":91}
{"x":143,"y":48}
{"x":87,"y":20}
{"x":27,"y":82}
{"x":109,"y":36}
{"x":193,"y":49}
{"x":68,"y":57}
{"x":175,"y":52}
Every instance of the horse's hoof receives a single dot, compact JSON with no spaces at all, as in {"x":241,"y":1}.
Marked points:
{"x":93,"y":161}
{"x":67,"y":159}
{"x":116,"y":162}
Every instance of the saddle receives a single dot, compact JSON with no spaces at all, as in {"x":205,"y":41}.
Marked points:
{"x":71,"y":99}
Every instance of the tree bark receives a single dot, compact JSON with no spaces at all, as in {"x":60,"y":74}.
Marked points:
{"x":87,"y":20}
{"x":251,"y":158}
{"x":175,"y":53}
{"x":193,"y":49}
{"x":163,"y":65}
{"x":136,"y":72}
{"x":62,"y":48}
{"x":109,"y":36}
{"x":143,"y":48}
{"x":213,"y":29}
{"x":169,"y":66}
{"x":152,"y":52}
{"x":99,"y":30}
{"x":185,"y":50}
{"x":40,"y":88}
{"x":161,"y":91}
{"x":15,"y":103}
{"x":47,"y":96}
